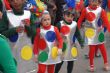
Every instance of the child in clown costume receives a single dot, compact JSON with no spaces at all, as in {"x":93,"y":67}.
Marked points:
{"x":45,"y":45}
{"x":94,"y":35}
{"x":7,"y":64}
{"x":18,"y":27}
{"x":69,"y":31}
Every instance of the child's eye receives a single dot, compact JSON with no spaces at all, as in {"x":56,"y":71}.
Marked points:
{"x":44,"y":19}
{"x":48,"y":19}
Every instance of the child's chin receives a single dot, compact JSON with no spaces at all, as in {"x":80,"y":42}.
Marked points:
{"x":69,"y":21}
{"x":48,"y":25}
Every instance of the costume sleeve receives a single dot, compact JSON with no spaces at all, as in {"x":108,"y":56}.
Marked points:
{"x":36,"y":42}
{"x":81,"y":18}
{"x":108,"y":4}
{"x":4,"y":27}
{"x":7,"y":4}
{"x":59,"y":38}
{"x":79,"y":37}
{"x":105,"y":20}
{"x":31,"y":30}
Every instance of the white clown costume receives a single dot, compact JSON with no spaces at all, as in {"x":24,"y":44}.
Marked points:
{"x":21,"y":43}
{"x":68,"y":40}
{"x":46,"y":45}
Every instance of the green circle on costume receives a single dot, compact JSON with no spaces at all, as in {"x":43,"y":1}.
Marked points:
{"x":101,"y":37}
{"x":54,"y":52}
{"x":64,"y":46}
{"x":43,"y":56}
{"x":89,"y":33}
{"x":26,"y":52}
{"x":74,"y":52}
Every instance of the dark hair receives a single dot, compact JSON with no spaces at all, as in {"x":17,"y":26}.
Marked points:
{"x":68,"y":12}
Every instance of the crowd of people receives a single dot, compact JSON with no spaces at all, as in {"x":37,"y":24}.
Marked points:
{"x":45,"y":32}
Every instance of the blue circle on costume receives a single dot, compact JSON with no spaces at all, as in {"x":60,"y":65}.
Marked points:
{"x":13,"y":38}
{"x":99,"y":22}
{"x":74,"y":38}
{"x":50,"y":36}
{"x":105,"y":29}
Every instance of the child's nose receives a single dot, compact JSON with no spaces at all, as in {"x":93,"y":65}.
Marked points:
{"x":15,"y":1}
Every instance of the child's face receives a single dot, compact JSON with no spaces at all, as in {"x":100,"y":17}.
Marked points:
{"x":68,"y":18}
{"x":94,"y":3}
{"x":46,"y":20}
{"x":17,"y":4}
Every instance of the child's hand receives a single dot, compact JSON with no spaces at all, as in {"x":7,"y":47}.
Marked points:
{"x":36,"y":58}
{"x":26,"y":22}
{"x":1,"y":15}
{"x":59,"y":51}
{"x":20,"y":29}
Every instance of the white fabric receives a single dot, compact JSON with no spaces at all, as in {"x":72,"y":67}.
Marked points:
{"x":93,"y":25}
{"x":69,"y":40}
{"x":50,"y":45}
{"x":23,"y":40}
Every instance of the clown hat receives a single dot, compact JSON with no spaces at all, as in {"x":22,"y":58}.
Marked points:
{"x":69,"y":10}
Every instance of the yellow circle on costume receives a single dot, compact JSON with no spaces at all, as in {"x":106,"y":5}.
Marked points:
{"x":74,"y":52}
{"x":26,"y":53}
{"x":89,"y":33}
{"x":108,"y":15}
{"x":54,"y":52}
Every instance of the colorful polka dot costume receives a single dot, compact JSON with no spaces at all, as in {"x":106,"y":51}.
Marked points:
{"x":68,"y":31}
{"x":20,"y":42}
{"x":48,"y":47}
{"x":92,"y":33}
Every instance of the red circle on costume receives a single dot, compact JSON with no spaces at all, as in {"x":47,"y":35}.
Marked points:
{"x":42,"y":44}
{"x":65,"y":30}
{"x":90,"y":16}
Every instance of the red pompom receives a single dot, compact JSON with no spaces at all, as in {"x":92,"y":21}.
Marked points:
{"x":90,"y":16}
{"x":65,"y":30}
